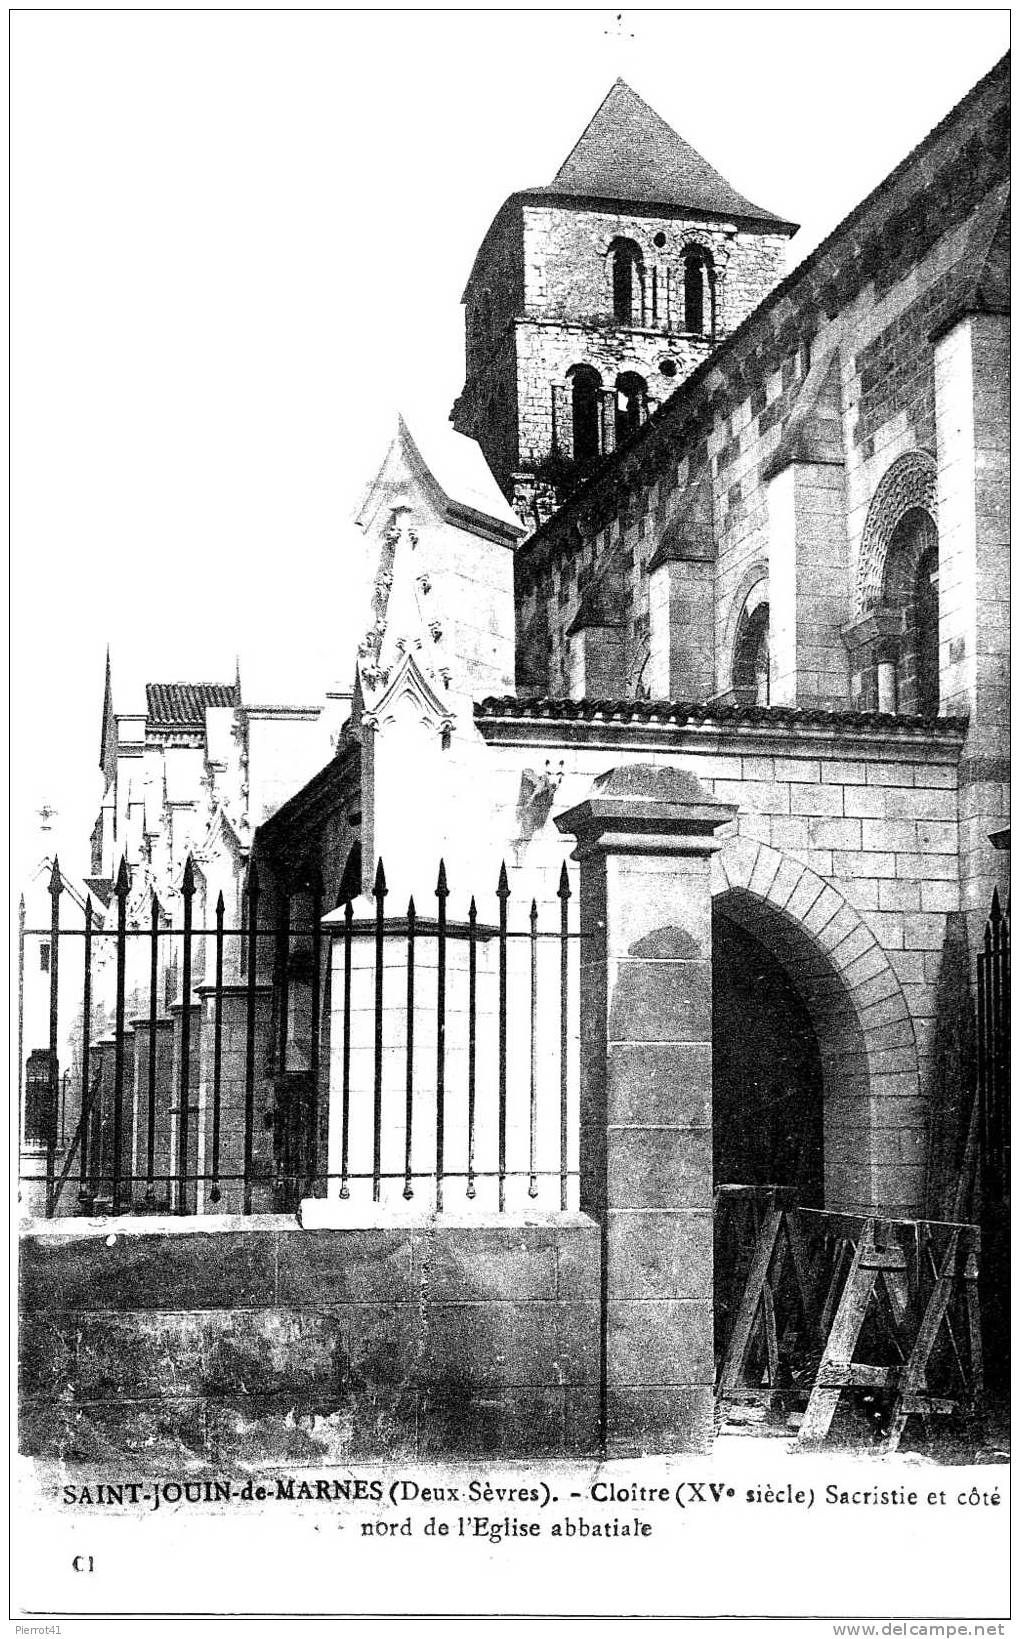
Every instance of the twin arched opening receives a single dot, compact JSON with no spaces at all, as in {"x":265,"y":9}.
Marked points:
{"x":684,"y":296}
{"x":628,"y":409}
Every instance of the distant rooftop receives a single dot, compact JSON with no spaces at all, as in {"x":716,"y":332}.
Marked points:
{"x":454,"y":471}
{"x":183,"y":705}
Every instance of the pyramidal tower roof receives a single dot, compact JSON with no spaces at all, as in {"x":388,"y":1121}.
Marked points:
{"x":629,"y":153}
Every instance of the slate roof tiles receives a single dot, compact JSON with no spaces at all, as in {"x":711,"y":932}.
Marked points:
{"x":628,"y":153}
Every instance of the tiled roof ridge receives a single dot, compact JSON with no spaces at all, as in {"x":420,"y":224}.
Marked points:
{"x":189,"y":683}
{"x":607,"y":163}
{"x":186,"y":702}
{"x":683,"y":712}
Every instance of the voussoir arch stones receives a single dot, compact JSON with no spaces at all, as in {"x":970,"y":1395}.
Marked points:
{"x":844,"y":975}
{"x":911,"y":481}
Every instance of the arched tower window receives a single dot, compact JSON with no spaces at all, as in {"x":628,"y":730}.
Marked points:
{"x":627,"y":272}
{"x":585,"y":385}
{"x":631,"y":404}
{"x":750,"y":675}
{"x":699,"y":292}
{"x":910,"y":585}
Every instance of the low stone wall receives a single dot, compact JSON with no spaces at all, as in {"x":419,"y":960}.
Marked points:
{"x":265,"y":1343}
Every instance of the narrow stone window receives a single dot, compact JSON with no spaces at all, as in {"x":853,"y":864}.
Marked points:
{"x":631,"y":404}
{"x":751,"y":657}
{"x":585,"y":384}
{"x":627,"y":272}
{"x":910,"y":585}
{"x":926,"y":615}
{"x":699,"y":292}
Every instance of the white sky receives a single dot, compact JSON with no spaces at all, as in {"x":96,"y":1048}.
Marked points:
{"x":239,"y":245}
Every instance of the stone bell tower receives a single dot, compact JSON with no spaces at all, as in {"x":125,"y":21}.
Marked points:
{"x":593,"y":297}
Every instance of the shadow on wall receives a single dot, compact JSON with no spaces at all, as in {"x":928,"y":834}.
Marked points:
{"x":768,"y":1090}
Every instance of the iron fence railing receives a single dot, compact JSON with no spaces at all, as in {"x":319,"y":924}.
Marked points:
{"x":297,"y":1012}
{"x":993,"y":1054}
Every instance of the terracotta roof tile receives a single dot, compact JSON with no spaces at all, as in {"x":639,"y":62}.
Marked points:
{"x":183,"y":705}
{"x":681,"y":713}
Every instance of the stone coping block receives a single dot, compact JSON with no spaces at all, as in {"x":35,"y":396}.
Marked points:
{"x":356,"y":1216}
{"x":649,"y":799}
{"x":271,"y":1261}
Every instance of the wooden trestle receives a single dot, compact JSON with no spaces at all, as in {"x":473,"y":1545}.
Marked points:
{"x":815,"y":1305}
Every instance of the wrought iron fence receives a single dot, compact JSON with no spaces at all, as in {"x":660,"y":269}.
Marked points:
{"x":168,"y":1102}
{"x":993,"y":1054}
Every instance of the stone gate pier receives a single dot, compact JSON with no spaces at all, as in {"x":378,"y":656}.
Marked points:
{"x":645,"y":837}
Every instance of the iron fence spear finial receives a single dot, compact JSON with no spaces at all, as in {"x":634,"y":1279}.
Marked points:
{"x":503,"y":895}
{"x":472,"y":1040}
{"x":563,"y":895}
{"x":122,"y":886}
{"x":84,"y":1192}
{"x":188,"y":892}
{"x":56,"y":889}
{"x":442,"y":894}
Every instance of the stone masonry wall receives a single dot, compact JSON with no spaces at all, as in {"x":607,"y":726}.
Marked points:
{"x":495,"y":290}
{"x":879,"y":295}
{"x":568,"y":299}
{"x":869,"y":831}
{"x":566,"y":274}
{"x":279,"y":1346}
{"x":884,"y":414}
{"x":547,"y":350}
{"x":487,"y":407}
{"x":548,"y":264}
{"x":974,"y":588}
